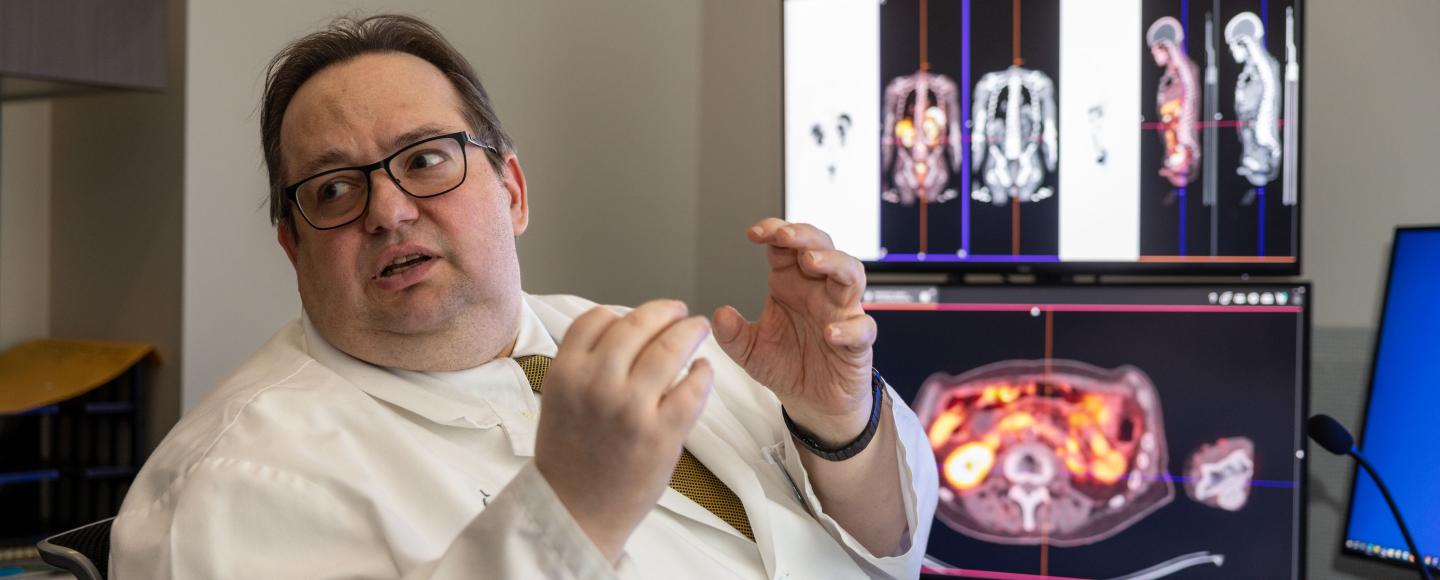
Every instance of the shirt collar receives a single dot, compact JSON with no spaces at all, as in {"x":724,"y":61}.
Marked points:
{"x":465,"y":398}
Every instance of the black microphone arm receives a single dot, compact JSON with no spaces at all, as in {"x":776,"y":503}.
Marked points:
{"x":1331,"y":435}
{"x":1409,"y":541}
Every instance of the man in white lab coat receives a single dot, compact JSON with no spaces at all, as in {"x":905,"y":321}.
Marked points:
{"x":395,"y":430}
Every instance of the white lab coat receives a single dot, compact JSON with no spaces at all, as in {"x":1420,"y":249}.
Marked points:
{"x":307,"y":463}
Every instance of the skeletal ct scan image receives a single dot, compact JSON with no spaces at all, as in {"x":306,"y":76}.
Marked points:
{"x":1005,"y":135}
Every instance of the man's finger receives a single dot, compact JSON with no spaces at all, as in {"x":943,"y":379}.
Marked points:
{"x":844,"y":275}
{"x":660,"y":362}
{"x":682,"y":405}
{"x":735,"y":334}
{"x":796,"y":236}
{"x":586,"y":330}
{"x":765,"y":229}
{"x":855,"y":335}
{"x":626,"y":337}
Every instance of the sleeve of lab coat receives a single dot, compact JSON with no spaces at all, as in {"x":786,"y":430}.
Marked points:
{"x":236,"y":519}
{"x":919,"y":487}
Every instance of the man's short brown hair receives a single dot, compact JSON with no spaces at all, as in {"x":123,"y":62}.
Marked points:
{"x":346,"y":38}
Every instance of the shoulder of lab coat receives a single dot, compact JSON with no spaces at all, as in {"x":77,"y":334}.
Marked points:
{"x":240,"y":489}
{"x":755,"y":407}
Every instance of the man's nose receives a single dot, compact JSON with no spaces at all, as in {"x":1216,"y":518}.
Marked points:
{"x":390,"y":207}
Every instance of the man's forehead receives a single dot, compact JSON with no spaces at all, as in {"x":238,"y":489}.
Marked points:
{"x":361,"y":105}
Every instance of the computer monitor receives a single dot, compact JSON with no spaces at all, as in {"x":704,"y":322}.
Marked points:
{"x":1045,"y":135}
{"x":1399,"y":436}
{"x":1107,"y":432}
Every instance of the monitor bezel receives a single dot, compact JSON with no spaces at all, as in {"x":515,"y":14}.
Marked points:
{"x":1306,"y":315}
{"x":1369,"y":393}
{"x":1197,"y":269}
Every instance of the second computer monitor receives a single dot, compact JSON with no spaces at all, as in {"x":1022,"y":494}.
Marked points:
{"x":1103,"y":432}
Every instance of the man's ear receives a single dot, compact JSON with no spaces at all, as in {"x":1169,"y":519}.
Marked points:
{"x":513,"y":178}
{"x":285,"y":234}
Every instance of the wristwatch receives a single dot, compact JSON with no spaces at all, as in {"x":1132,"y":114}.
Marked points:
{"x":878,"y":393}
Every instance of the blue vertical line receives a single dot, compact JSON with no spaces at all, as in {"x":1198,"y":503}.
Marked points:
{"x":1185,"y":26}
{"x":1181,"y":192}
{"x":964,"y":126}
{"x":1260,"y":242}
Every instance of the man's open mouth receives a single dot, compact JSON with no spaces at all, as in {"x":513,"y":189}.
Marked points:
{"x":403,"y":263}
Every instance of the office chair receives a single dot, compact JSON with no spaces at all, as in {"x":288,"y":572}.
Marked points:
{"x":83,"y":551}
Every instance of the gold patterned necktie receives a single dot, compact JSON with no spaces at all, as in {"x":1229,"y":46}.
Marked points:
{"x":691,"y":478}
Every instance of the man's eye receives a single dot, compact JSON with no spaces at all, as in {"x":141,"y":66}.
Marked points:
{"x":426,"y":160}
{"x":336,"y":190}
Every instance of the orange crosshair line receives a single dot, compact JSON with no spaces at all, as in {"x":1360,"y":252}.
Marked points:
{"x":1049,"y":339}
{"x":924,"y":222}
{"x":1049,"y":355}
{"x":1015,"y":36}
{"x":924,"y":66}
{"x":1015,"y":50}
{"x":924,"y":35}
{"x":1015,"y":226}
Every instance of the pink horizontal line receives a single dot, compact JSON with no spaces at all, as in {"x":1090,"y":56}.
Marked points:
{"x":963,"y":573}
{"x":1083,"y":308}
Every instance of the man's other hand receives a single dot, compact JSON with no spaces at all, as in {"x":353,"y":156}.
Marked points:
{"x":615,"y":416}
{"x":812,"y":343}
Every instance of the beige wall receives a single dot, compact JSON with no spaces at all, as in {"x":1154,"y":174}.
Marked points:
{"x":1371,"y":126}
{"x":24,"y":222}
{"x":740,"y":148}
{"x":601,"y":98}
{"x":115,"y":222}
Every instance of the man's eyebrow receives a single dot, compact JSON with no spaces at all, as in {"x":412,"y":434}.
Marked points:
{"x":422,"y":132}
{"x":332,"y":158}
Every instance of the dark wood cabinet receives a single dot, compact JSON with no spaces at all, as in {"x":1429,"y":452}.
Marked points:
{"x":52,"y":47}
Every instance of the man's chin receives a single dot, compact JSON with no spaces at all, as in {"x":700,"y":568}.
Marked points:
{"x":415,"y":317}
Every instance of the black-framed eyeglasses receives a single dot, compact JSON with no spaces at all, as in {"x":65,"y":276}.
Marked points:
{"x":427,"y":168}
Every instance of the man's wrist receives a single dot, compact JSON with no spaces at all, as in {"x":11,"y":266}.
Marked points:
{"x":844,"y":437}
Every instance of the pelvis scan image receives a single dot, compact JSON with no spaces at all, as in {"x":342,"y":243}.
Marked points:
{"x":1056,"y":451}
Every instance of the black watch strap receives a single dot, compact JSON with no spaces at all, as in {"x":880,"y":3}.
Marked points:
{"x":877,"y":391}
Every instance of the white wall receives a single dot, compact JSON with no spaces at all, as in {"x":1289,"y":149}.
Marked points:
{"x":601,"y":98}
{"x":24,"y":222}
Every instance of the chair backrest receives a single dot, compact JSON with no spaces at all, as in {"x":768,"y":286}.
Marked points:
{"x":83,"y":551}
